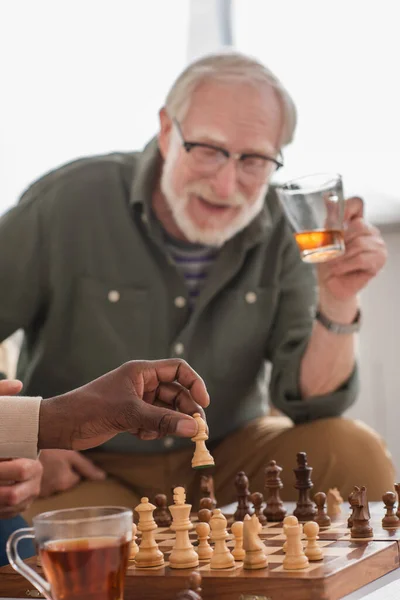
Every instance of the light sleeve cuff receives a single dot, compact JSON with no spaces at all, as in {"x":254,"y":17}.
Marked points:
{"x":19,"y":426}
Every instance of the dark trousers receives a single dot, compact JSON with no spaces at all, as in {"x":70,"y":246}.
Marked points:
{"x":25,"y":547}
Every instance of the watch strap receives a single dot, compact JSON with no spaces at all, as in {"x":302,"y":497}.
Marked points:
{"x":339,"y":328}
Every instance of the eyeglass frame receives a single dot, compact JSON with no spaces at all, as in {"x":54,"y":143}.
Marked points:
{"x":237,"y":156}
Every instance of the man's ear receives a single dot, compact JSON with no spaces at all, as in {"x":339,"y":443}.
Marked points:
{"x":165,"y":132}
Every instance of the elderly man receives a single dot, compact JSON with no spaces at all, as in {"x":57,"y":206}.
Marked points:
{"x":183,"y":250}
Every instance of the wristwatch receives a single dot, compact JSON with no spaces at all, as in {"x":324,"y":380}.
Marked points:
{"x":339,"y":328}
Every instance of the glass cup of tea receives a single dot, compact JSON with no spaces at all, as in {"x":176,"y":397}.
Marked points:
{"x":84,"y":552}
{"x":315,"y":206}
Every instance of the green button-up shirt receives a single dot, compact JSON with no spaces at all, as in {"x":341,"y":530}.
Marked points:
{"x":85,"y":272}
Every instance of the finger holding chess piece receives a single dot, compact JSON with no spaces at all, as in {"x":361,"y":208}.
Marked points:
{"x":201,"y":457}
{"x":390,"y":520}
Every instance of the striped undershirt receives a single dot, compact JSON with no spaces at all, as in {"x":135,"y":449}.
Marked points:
{"x":194,"y":262}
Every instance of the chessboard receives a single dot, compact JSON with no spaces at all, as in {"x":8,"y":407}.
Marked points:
{"x":347,"y":566}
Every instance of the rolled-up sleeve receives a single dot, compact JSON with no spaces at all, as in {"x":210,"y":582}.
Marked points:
{"x":291,"y":331}
{"x":19,"y":427}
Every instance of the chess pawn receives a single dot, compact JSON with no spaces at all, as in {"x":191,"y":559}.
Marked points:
{"x":390,"y":520}
{"x":294,"y":557}
{"x":204,"y":549}
{"x":222,"y":558}
{"x":334,"y":503}
{"x":201,"y":457}
{"x":288,"y":521}
{"x":205,"y":512}
{"x":312,"y":551}
{"x":183,"y":555}
{"x":194,"y":591}
{"x":322,"y":518}
{"x":397,"y":488}
{"x":237,"y":531}
{"x":162,"y":516}
{"x":255,"y":557}
{"x":257,"y":499}
{"x":134,"y":547}
{"x":149,"y":554}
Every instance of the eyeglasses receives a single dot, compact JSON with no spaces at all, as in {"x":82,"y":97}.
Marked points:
{"x":208,"y":159}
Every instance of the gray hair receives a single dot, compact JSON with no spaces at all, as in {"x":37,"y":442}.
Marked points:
{"x":231,"y":67}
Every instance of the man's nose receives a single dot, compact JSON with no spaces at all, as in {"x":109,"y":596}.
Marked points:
{"x":224,"y":181}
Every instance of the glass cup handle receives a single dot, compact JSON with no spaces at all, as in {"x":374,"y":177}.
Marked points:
{"x":20,"y":566}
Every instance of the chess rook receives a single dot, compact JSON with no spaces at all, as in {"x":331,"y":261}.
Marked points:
{"x":304,"y":510}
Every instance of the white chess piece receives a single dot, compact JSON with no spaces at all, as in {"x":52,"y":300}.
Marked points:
{"x":238,"y":551}
{"x":183,"y":555}
{"x":204,"y":549}
{"x":149,"y":554}
{"x":312,"y":551}
{"x":295,"y":557}
{"x":134,"y":547}
{"x":201,"y":457}
{"x":289,"y":520}
{"x":255,"y":557}
{"x":334,"y":503}
{"x":222,"y":558}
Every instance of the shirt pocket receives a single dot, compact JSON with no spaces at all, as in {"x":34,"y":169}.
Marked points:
{"x":110,"y":325}
{"x":242,"y":320}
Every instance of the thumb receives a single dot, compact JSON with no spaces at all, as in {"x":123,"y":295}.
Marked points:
{"x":86,"y":468}
{"x":167,"y":422}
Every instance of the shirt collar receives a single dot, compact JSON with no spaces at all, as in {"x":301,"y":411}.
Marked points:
{"x":150,"y":162}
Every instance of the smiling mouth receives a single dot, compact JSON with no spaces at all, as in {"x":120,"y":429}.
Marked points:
{"x":213,"y":205}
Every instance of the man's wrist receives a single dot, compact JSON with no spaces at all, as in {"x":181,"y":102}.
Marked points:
{"x":53,"y":424}
{"x":343,"y":312}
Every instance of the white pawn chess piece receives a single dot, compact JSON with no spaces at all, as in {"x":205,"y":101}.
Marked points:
{"x":255,"y":557}
{"x":312,"y":551}
{"x":149,"y":554}
{"x":183,"y":555}
{"x":201,"y":457}
{"x":204,"y":549}
{"x":295,"y":557}
{"x":238,"y":551}
{"x":134,"y":547}
{"x":222,"y":558}
{"x":289,"y":520}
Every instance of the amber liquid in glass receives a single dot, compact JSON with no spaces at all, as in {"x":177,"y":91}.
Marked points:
{"x":320,"y":245}
{"x":86,"y":568}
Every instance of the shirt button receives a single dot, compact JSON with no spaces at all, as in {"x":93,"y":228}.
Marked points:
{"x":179,"y":348}
{"x":251,"y":297}
{"x":114,"y":296}
{"x":169,"y":442}
{"x":180,"y":302}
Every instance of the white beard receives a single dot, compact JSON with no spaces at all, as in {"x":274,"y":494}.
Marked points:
{"x":212,"y":234}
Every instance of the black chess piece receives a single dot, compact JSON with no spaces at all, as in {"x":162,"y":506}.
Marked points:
{"x":205,"y":512}
{"x":274,"y":510}
{"x":322,"y":518}
{"x":390,"y":520}
{"x":257,"y":499}
{"x":304,"y":510}
{"x":397,"y":488}
{"x":207,"y":489}
{"x":242,"y":488}
{"x":194,"y":591}
{"x":162,"y":516}
{"x":361,"y":515}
